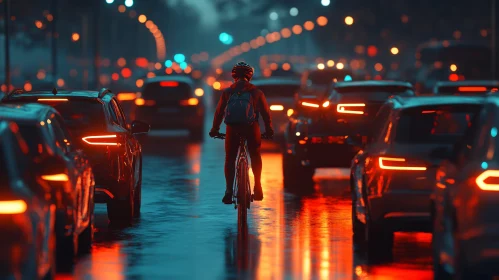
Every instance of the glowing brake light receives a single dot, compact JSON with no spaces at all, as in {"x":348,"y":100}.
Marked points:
{"x":52,"y":99}
{"x":471,"y":89}
{"x":56,"y":177}
{"x":308,"y":104}
{"x":390,"y":163}
{"x":488,"y":180}
{"x":13,"y":207}
{"x":351,"y":108}
{"x":102,"y":140}
{"x":325,"y":104}
{"x":168,"y":84}
{"x":276,"y":107}
{"x":124,"y":96}
{"x":190,"y":102}
{"x":142,"y":102}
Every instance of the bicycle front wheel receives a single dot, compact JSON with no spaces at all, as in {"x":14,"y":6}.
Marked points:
{"x":242,"y":196}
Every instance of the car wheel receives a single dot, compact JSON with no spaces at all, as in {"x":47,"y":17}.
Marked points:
{"x":66,"y":249}
{"x":86,"y":238}
{"x":138,"y":194}
{"x":121,"y":211}
{"x":358,"y":227}
{"x":379,"y":243}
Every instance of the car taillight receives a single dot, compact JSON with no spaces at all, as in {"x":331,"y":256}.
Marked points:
{"x":168,"y":84}
{"x":56,"y":177}
{"x":325,"y":104}
{"x":351,"y":108}
{"x":126,"y":96}
{"x":276,"y":107}
{"x":189,"y":102}
{"x":52,"y":99}
{"x":488,"y":180}
{"x":308,"y":104}
{"x":472,"y":89}
{"x":393,"y":163}
{"x":13,"y":207}
{"x":144,"y":102}
{"x":101,"y":140}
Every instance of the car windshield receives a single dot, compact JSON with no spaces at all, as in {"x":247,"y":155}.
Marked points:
{"x":82,"y":114}
{"x":33,"y":138}
{"x":434,"y":124}
{"x":167,"y":91}
{"x":281,"y":90}
{"x":381,"y":91}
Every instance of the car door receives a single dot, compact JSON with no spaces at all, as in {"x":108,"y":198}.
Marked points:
{"x":131,"y":149}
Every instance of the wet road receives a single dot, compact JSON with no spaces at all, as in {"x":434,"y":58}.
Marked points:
{"x":185,"y":232}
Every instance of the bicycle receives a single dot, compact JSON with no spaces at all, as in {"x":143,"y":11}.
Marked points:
{"x":241,"y":189}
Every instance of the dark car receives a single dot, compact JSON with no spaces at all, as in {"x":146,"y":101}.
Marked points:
{"x":280,"y":93}
{"x":27,"y":213}
{"x":466,"y":87}
{"x":67,"y":171}
{"x":98,"y":127}
{"x":320,"y":138}
{"x":393,"y":176}
{"x":465,"y":202}
{"x":172,"y":102}
{"x":320,"y":81}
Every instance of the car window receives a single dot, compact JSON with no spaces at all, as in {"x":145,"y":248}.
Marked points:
{"x":60,"y":136}
{"x":379,"y":123}
{"x":443,"y":124}
{"x":33,"y":137}
{"x":119,"y":118}
{"x":122,"y":112}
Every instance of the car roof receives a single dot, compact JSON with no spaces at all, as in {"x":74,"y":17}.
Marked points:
{"x":467,"y":83}
{"x":24,"y":112}
{"x":372,"y":83}
{"x":277,"y":81}
{"x":61,"y":93}
{"x":402,"y":102}
{"x":178,"y":78}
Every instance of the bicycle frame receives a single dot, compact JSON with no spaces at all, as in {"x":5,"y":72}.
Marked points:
{"x":241,"y":160}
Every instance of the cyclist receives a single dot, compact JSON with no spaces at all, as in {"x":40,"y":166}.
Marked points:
{"x":240,"y":105}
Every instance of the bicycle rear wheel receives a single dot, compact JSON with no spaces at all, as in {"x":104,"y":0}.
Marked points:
{"x":242,"y":196}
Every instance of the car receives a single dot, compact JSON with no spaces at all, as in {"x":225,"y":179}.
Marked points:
{"x":319,"y":81}
{"x":98,"y":127}
{"x":172,"y":102}
{"x":464,"y":203}
{"x":280,"y":94}
{"x":320,"y":137}
{"x":27,"y":213}
{"x":393,"y":175}
{"x":465,"y":87}
{"x":68,"y":173}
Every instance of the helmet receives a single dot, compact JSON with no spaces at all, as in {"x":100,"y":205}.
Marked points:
{"x":242,"y":70}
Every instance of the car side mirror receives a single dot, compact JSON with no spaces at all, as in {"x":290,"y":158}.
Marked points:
{"x":140,"y":127}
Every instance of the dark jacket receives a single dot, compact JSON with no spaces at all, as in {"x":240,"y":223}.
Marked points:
{"x":260,"y":104}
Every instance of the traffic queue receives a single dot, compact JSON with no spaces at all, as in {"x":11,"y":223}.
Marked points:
{"x":61,"y":152}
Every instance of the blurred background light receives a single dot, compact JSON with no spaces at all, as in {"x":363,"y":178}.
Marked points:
{"x":394,"y":50}
{"x":179,"y":58}
{"x":325,"y":3}
{"x":349,"y":20}
{"x":273,"y":16}
{"x":110,"y":1}
{"x":129,"y":3}
{"x":293,"y":12}
{"x":168,"y":63}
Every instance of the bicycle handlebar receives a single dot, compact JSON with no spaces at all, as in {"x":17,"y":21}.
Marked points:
{"x":222,"y":136}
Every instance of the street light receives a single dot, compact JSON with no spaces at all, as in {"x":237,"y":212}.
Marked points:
{"x":293,"y":12}
{"x":273,"y":16}
{"x":128,"y":3}
{"x":325,"y":3}
{"x":348,"y":20}
{"x":110,"y":1}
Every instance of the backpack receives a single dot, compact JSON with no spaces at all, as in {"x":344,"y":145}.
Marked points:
{"x":240,"y":109}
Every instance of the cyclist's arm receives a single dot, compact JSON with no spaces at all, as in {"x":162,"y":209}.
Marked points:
{"x":219,"y":113}
{"x":263,"y":108}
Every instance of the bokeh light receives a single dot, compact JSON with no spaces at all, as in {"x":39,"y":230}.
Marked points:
{"x":330,"y":63}
{"x":142,"y":18}
{"x":378,"y":67}
{"x":322,"y":21}
{"x":320,"y":66}
{"x":340,"y":65}
{"x":349,"y":20}
{"x":394,"y":50}
{"x":453,"y":67}
{"x":75,"y":37}
{"x":308,"y":25}
{"x":293,"y":12}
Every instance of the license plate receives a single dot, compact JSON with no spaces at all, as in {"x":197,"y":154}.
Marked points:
{"x":168,"y":110}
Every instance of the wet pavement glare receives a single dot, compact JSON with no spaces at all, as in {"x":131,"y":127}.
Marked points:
{"x":185,"y":232}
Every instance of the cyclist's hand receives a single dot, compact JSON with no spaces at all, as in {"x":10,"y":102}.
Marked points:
{"x":214,"y":133}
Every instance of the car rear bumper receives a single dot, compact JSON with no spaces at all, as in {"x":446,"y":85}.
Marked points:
{"x":402,"y":210}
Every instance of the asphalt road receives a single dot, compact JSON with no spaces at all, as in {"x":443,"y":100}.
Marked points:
{"x":185,"y":232}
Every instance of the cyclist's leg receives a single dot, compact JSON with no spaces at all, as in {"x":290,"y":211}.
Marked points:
{"x":254,"y":142}
{"x":231,"y":148}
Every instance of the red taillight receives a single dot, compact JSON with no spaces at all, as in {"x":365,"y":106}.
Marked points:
{"x":13,"y":206}
{"x":351,"y":108}
{"x":190,"y":102}
{"x":144,"y":102}
{"x":488,"y":180}
{"x":392,"y":163}
{"x":472,"y":89}
{"x":101,"y":140}
{"x":168,"y":84}
{"x":56,"y":177}
{"x":308,"y":104}
{"x":52,"y":99}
